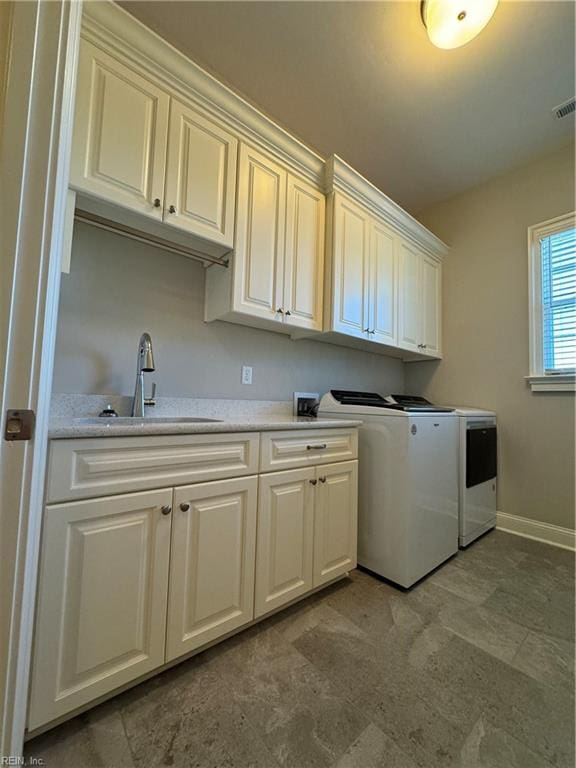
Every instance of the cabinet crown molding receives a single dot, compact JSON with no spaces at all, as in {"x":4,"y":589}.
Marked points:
{"x":341,"y":177}
{"x":113,"y":29}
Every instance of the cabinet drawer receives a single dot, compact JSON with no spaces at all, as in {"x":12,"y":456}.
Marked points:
{"x":81,"y":469}
{"x":284,"y":450}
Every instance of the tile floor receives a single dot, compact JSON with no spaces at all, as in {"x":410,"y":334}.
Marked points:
{"x":472,"y":668}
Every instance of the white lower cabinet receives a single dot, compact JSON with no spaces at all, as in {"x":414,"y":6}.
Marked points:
{"x":132,"y":581}
{"x":101,"y":617}
{"x":285,"y":537}
{"x":307,"y":520}
{"x":336,"y":521}
{"x":212,"y":562}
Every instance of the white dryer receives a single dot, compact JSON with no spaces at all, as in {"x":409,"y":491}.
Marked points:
{"x":408,"y":482}
{"x":477,"y":473}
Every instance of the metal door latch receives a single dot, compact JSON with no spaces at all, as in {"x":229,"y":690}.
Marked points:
{"x":19,"y":425}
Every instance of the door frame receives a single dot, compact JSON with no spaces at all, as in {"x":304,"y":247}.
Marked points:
{"x":37,"y":92}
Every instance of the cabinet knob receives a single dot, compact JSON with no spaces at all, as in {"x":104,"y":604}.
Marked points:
{"x":318,"y":447}
{"x":322,"y":479}
{"x":365,"y":330}
{"x":166,"y":510}
{"x":280,"y":311}
{"x":288,"y":312}
{"x":313,"y":482}
{"x":372,"y":332}
{"x":157,"y":202}
{"x":184,"y":507}
{"x":171,"y":209}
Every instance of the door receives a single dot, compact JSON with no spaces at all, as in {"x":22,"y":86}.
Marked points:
{"x":259,"y":255}
{"x":336,"y":521}
{"x":103,"y":588}
{"x":200,"y":176}
{"x":120,"y":134}
{"x":431,"y":302}
{"x":382,"y":312}
{"x":284,"y":551}
{"x":212,"y":562}
{"x":38,"y":94}
{"x":304,"y":259}
{"x":351,"y":227}
{"x":409,"y":297}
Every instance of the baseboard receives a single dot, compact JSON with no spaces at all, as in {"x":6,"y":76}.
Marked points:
{"x":532,"y":529}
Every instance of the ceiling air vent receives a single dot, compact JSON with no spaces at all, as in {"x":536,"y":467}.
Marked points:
{"x":565,"y":109}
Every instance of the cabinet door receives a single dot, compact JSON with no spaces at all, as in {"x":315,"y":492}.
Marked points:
{"x":304,"y":259}
{"x":200,"y":176}
{"x":351,"y":226}
{"x":284,"y":549}
{"x":103,"y":586}
{"x":261,"y":216}
{"x":211,"y":563}
{"x":383,"y":310}
{"x":409,"y":297}
{"x":120,"y":133}
{"x":431,"y":305}
{"x":336,"y":521}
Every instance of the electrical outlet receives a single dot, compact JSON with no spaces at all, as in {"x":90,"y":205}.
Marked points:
{"x":246,"y":374}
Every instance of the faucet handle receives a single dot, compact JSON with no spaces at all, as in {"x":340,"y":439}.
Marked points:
{"x":152,"y":399}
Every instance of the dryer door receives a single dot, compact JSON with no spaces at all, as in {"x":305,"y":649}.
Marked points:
{"x":481,"y":454}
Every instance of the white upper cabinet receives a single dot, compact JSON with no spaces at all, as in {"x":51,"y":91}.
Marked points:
{"x":304,"y":255}
{"x":409,"y":295}
{"x":120,"y":133}
{"x":419,"y":290}
{"x":201,"y":176}
{"x":261,"y":218}
{"x":382,"y":313}
{"x":383,"y":271}
{"x":137,"y":147}
{"x":431,"y":306}
{"x":350,"y":267}
{"x":363,"y":269}
{"x":276,"y":277}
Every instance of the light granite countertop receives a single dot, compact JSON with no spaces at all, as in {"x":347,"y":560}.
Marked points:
{"x":66,"y":428}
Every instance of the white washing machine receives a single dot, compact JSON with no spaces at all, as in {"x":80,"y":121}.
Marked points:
{"x":408,"y":482}
{"x":477,"y":473}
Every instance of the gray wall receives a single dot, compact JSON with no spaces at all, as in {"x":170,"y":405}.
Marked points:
{"x":485,"y":328}
{"x":118,"y":288}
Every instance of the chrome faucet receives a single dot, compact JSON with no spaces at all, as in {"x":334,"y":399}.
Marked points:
{"x":145,"y":364}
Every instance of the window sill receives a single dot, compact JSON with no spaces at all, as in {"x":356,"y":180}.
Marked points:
{"x":565,"y":382}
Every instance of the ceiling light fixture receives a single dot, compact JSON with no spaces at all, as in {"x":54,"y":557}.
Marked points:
{"x":452,"y":23}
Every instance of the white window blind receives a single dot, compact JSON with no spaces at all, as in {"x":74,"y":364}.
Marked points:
{"x":558,"y":260}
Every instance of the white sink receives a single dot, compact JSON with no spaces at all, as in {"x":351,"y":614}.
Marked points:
{"x":100,"y":420}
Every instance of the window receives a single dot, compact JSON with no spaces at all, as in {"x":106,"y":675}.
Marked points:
{"x":552,"y":255}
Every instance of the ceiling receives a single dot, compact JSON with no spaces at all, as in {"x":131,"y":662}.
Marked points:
{"x":361,"y":79}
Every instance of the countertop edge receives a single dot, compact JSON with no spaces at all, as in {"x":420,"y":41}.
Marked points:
{"x":67,"y":431}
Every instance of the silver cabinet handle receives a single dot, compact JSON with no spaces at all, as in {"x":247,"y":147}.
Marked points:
{"x":184,"y":507}
{"x":166,"y":510}
{"x":319,"y":447}
{"x":171,"y":209}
